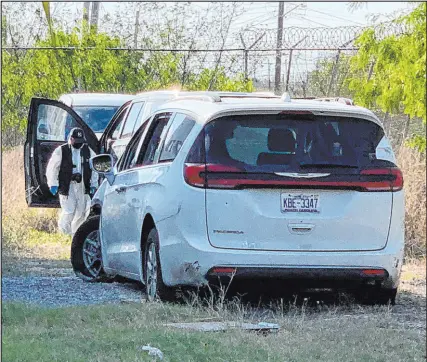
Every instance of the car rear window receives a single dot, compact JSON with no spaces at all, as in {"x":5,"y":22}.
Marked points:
{"x":283,"y":142}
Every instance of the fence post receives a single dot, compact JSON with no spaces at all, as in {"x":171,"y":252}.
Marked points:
{"x":246,"y":63}
{"x":290,"y":60}
{"x":335,"y":67}
{"x":289,"y":70}
{"x":246,"y":52}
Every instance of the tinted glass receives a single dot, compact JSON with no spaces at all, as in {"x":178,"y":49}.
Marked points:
{"x":96,"y":117}
{"x":131,"y":119}
{"x":118,"y":125}
{"x":275,"y":143}
{"x":177,"y":133}
{"x":54,"y":123}
{"x":128,"y":158}
{"x":152,"y":140}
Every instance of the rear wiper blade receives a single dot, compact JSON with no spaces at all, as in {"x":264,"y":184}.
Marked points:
{"x":325,"y":165}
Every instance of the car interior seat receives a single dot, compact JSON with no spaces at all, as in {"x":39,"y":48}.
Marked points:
{"x":281,"y":144}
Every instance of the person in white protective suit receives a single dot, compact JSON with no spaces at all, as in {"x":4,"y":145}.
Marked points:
{"x":69,"y":174}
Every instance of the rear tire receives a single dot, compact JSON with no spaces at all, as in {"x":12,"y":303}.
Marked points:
{"x":377,"y":296}
{"x":86,"y":257}
{"x":154,"y":286}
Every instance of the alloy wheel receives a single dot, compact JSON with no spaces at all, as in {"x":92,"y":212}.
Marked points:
{"x":151,"y":271}
{"x":92,"y":256}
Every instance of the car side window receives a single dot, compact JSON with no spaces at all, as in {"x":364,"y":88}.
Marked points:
{"x":131,"y":119}
{"x":153,"y":139}
{"x":177,"y":133}
{"x":129,"y":156}
{"x":54,"y":123}
{"x":119,"y":122}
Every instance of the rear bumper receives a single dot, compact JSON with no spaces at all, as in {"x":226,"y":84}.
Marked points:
{"x":301,"y":277}
{"x":193,"y":264}
{"x":301,"y":273}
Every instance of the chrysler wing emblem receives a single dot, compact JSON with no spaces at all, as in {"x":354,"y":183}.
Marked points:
{"x":301,"y":175}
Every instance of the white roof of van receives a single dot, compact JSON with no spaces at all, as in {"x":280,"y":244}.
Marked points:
{"x":207,"y":110}
{"x":95,"y":99}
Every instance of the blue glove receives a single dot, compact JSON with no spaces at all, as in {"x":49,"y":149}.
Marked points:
{"x":54,"y":190}
{"x":92,"y":190}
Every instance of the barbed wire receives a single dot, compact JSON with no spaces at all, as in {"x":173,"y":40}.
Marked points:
{"x":322,"y":38}
{"x":319,"y":38}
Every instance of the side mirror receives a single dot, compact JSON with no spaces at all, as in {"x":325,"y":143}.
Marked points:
{"x":104,"y":165}
{"x":43,"y":129}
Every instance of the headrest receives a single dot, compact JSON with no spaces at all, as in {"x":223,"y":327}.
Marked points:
{"x":281,"y":140}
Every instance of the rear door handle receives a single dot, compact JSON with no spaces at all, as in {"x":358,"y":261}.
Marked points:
{"x":301,"y":228}
{"x":120,"y":189}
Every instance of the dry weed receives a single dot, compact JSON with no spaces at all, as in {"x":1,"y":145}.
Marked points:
{"x":20,"y":224}
{"x":413,"y":166}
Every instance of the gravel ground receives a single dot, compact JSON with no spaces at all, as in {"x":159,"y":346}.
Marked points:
{"x":67,"y":291}
{"x":53,"y":284}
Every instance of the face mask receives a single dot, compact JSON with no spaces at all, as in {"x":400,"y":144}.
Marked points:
{"x":77,"y":145}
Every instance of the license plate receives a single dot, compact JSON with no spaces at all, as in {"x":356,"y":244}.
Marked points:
{"x":300,"y":203}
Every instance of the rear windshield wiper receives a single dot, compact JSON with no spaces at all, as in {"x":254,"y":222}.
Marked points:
{"x":325,"y":165}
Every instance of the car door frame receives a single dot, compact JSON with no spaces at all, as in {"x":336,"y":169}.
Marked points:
{"x":111,"y":260}
{"x":122,"y":142}
{"x":110,"y":127}
{"x":137,"y":272}
{"x":37,"y":193}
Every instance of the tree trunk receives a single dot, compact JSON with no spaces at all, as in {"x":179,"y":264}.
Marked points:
{"x":406,"y":130}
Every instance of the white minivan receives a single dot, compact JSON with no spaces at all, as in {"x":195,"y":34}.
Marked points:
{"x":249,"y":186}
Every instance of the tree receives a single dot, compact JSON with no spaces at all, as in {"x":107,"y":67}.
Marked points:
{"x":390,"y":71}
{"x":91,"y":66}
{"x":319,"y":80}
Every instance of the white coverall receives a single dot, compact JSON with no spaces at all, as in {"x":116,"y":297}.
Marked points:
{"x":76,"y":206}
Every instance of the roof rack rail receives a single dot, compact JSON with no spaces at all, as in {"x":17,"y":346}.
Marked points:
{"x":212,"y":96}
{"x":247,"y":95}
{"x":347,"y":101}
{"x":198,"y":97}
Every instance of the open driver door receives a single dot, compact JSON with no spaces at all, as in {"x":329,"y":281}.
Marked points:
{"x":49,"y":124}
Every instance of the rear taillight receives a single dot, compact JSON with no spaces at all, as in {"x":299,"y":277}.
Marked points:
{"x":228,"y":177}
{"x":223,"y":270}
{"x":382,"y":179}
{"x":195,"y":175}
{"x":377,"y":272}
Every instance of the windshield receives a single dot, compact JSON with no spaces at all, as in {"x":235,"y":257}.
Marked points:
{"x":291,"y":143}
{"x":96,"y":117}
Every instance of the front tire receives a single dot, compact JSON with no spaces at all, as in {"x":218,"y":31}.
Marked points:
{"x":86,"y":257}
{"x":154,"y":286}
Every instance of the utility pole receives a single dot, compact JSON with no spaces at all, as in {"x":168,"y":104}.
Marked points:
{"x":278,"y":48}
{"x":269,"y":77}
{"x":95,"y":14}
{"x":86,"y":9}
{"x":135,"y":37}
{"x":282,"y":15}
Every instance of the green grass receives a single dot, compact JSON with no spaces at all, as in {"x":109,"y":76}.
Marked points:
{"x":116,"y":333}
